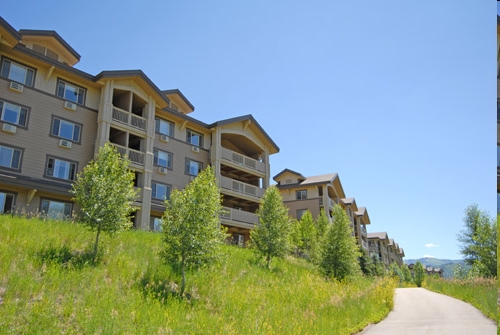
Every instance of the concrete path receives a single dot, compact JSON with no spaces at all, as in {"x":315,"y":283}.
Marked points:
{"x":419,"y":311}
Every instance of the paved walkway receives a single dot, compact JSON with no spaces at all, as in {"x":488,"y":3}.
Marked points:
{"x":419,"y":311}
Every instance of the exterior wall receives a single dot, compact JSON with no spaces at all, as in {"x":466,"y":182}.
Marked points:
{"x":108,"y":116}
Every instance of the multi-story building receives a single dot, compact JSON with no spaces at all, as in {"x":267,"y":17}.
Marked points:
{"x":55,"y":117}
{"x":385,"y":249}
{"x":319,"y":193}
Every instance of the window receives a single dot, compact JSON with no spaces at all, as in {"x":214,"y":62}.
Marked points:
{"x":56,"y":209}
{"x":13,"y":113}
{"x":10,"y":157}
{"x":6,"y":202}
{"x":155,"y":224}
{"x":70,"y":92}
{"x":301,"y":194}
{"x":45,"y":51}
{"x":193,"y":167}
{"x":160,"y":191}
{"x":61,"y":169}
{"x":194,"y":138}
{"x":17,"y":72}
{"x":299,"y":213}
{"x":65,"y":129}
{"x":162,"y":158}
{"x":164,"y":127}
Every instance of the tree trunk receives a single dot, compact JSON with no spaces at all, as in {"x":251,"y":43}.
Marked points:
{"x":268,"y":261}
{"x":96,"y":244}
{"x":183,"y":281}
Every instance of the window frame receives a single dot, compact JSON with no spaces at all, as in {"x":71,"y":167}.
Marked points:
{"x":154,"y":188}
{"x":301,"y":195}
{"x":58,"y":135}
{"x":171,"y":127}
{"x":188,"y":171}
{"x":190,"y":133}
{"x":82,"y":91}
{"x":20,"y":157}
{"x":13,"y":202}
{"x":26,"y":67}
{"x":49,"y":200}
{"x":170,"y":160}
{"x":73,"y":169}
{"x":3,"y":102}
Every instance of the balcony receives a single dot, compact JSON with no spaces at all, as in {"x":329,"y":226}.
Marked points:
{"x":136,"y":157}
{"x":242,"y":160}
{"x":128,"y":118}
{"x":331,"y":203}
{"x":239,"y":217}
{"x":241,"y":188}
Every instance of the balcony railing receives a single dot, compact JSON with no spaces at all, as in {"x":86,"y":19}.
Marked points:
{"x":135,"y":156}
{"x":243,"y":188}
{"x":128,"y":118}
{"x":330,"y":202}
{"x":243,"y":160}
{"x":239,"y":216}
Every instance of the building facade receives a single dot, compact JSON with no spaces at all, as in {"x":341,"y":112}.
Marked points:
{"x":385,"y":249}
{"x":55,"y":117}
{"x":321,"y":193}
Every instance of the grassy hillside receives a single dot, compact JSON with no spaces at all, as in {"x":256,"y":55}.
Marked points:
{"x":47,"y":286}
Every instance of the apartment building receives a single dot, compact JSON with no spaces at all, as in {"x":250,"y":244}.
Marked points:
{"x":55,"y":117}
{"x":385,"y":249}
{"x":319,"y":193}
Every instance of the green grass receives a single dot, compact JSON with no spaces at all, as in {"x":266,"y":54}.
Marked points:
{"x":479,"y":292}
{"x":49,"y":285}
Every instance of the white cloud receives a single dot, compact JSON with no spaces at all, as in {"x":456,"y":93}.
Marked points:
{"x":429,"y":256}
{"x":431,"y":245}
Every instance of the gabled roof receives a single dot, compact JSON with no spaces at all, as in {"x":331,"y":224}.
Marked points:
{"x":8,"y":33}
{"x":363,"y":213}
{"x":380,"y":235}
{"x":51,"y":34}
{"x":274,"y":148}
{"x":321,"y":179}
{"x":300,"y":176}
{"x":179,"y":93}
{"x":142,"y":78}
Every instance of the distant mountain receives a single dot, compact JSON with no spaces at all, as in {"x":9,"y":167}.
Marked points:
{"x":446,"y":264}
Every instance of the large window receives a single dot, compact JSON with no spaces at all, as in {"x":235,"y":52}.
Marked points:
{"x":56,"y":209}
{"x":65,"y":129}
{"x":12,"y":113}
{"x":301,"y":194}
{"x":162,"y":158}
{"x":160,"y":191}
{"x":155,"y":224}
{"x":70,"y":92}
{"x":10,"y":157}
{"x":164,"y":127}
{"x":193,"y":167}
{"x":61,"y":169}
{"x":6,"y":202}
{"x":194,"y":138}
{"x":17,"y":72}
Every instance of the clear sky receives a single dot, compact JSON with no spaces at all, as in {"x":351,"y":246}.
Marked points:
{"x":396,"y":97}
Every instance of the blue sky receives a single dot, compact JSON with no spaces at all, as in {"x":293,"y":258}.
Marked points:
{"x":396,"y":97}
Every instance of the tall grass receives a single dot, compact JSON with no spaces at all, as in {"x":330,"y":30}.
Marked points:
{"x":479,"y":292}
{"x":48,"y":285}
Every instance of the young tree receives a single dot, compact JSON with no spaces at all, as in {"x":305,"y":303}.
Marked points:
{"x":406,"y":273}
{"x":322,"y":224}
{"x":104,"y":192}
{"x":270,"y":236}
{"x":479,"y":241}
{"x":305,"y":236}
{"x":340,"y":253}
{"x":418,"y":274}
{"x":191,"y":224}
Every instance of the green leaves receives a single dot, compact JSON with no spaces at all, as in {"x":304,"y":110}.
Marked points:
{"x":270,"y":236}
{"x":339,"y":258}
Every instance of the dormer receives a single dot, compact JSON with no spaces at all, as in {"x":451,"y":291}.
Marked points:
{"x":49,"y":44}
{"x":178,"y":102}
{"x":288,"y":177}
